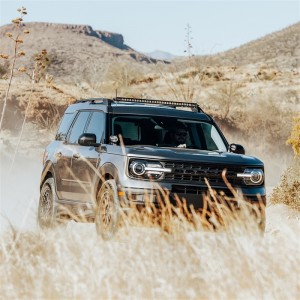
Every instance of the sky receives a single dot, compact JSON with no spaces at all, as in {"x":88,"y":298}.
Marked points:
{"x":146,"y":26}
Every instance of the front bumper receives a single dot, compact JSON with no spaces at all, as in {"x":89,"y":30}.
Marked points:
{"x":192,"y":195}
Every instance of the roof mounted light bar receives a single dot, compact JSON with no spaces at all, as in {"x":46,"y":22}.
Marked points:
{"x":193,"y":106}
{"x":93,"y":100}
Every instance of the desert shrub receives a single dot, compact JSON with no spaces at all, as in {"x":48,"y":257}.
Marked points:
{"x":182,"y":85}
{"x":288,"y":190}
{"x":294,"y":139}
{"x":3,"y":69}
{"x":267,"y":74}
{"x":44,"y":114}
{"x":268,"y":122}
{"x":226,"y":103}
{"x":188,"y":74}
{"x":123,"y":74}
{"x":42,"y":63}
{"x":292,"y":96}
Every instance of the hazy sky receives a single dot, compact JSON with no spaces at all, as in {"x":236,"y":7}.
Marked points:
{"x":148,"y":25}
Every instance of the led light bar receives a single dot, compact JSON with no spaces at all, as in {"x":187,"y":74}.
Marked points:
{"x":194,"y":106}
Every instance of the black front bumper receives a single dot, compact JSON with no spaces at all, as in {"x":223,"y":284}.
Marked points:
{"x":193,"y":195}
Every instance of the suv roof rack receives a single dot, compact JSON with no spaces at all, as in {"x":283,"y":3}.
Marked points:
{"x":193,"y":106}
{"x":93,"y":100}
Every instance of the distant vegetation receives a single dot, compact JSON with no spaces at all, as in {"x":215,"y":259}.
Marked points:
{"x":288,"y":191}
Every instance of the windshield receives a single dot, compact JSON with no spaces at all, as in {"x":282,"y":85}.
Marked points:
{"x":166,"y":132}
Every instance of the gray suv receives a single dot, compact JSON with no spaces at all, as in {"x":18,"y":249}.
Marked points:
{"x":125,"y":151}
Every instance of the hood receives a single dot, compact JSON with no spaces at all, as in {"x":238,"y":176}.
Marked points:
{"x":192,"y":155}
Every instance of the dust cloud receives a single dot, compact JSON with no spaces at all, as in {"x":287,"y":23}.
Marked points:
{"x":19,"y":188}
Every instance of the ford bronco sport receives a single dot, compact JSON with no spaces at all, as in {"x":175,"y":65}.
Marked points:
{"x":108,"y":151}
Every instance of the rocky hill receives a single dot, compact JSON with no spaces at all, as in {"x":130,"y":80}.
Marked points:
{"x":279,"y":49}
{"x":163,"y":55}
{"x":78,"y":52}
{"x":74,"y":50}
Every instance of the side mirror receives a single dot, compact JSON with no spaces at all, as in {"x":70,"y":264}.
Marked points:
{"x":88,"y":139}
{"x":236,"y":148}
{"x":113,"y":139}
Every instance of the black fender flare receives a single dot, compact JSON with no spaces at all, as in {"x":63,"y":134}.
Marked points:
{"x":48,"y":169}
{"x":107,"y":169}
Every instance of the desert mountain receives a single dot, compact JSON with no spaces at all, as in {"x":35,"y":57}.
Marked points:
{"x":279,"y":49}
{"x":162,"y":55}
{"x":78,"y":52}
{"x":74,"y":50}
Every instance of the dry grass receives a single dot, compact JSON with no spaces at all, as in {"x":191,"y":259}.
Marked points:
{"x":288,"y":190}
{"x":294,"y":139}
{"x":145,"y":262}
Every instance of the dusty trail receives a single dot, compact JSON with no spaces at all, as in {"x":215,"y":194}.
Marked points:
{"x":19,"y":191}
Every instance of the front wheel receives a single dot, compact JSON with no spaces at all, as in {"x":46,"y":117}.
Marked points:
{"x":108,"y":208}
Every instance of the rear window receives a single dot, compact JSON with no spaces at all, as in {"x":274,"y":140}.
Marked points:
{"x":64,"y":126}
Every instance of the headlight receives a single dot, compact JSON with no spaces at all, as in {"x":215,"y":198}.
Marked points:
{"x":137,"y":168}
{"x":147,"y":169}
{"x":252,"y":176}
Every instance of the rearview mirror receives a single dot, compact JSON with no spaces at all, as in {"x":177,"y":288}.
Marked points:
{"x":236,"y":148}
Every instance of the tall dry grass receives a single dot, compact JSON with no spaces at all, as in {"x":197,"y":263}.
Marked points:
{"x":146,"y":261}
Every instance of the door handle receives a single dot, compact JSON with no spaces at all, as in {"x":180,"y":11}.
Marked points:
{"x":58,"y":154}
{"x":76,"y":155}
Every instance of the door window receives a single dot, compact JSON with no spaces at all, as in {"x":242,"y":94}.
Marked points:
{"x":78,"y":127}
{"x":95,"y":126}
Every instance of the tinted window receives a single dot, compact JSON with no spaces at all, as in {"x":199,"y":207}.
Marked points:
{"x":78,"y":127}
{"x":64,"y":126}
{"x":96,"y":125}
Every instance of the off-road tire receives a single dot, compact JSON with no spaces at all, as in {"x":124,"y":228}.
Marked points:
{"x":48,"y":216}
{"x":108,"y":210}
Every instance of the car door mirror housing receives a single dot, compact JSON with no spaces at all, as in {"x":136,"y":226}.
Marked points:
{"x":88,"y":139}
{"x":113,"y":139}
{"x":236,"y":148}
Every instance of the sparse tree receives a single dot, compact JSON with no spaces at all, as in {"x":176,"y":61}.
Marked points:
{"x":183,"y":78}
{"x":16,"y":37}
{"x":227,"y":98}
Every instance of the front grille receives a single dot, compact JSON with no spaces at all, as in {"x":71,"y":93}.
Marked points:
{"x":197,"y":172}
{"x":195,"y":190}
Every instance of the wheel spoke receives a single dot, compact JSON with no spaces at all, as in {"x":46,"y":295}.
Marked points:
{"x":46,"y":205}
{"x":106,"y":209}
{"x":107,"y":215}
